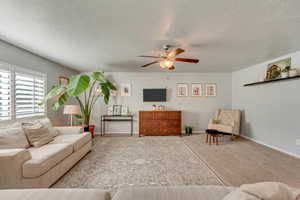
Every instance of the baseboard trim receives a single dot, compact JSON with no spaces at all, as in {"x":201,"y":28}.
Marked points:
{"x":271,"y":146}
{"x":136,"y":133}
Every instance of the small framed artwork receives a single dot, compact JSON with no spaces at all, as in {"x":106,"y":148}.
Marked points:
{"x":110,"y":110}
{"x":182,"y":89}
{"x":124,"y":110}
{"x":211,"y":89}
{"x":117,"y":109}
{"x":63,"y":81}
{"x":196,"y":90}
{"x":125,"y":90}
{"x":114,"y":93}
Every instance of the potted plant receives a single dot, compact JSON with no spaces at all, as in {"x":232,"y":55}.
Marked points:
{"x":188,"y":130}
{"x":285,"y":72}
{"x":86,"y":90}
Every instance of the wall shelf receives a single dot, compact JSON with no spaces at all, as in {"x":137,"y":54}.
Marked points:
{"x":264,"y":82}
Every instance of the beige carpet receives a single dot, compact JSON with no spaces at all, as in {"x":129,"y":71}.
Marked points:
{"x":243,"y":161}
{"x":117,"y":162}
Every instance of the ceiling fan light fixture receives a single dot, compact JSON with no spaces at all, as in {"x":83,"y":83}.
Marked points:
{"x":166,"y":64}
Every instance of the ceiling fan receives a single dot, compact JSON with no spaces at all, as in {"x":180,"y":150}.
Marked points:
{"x":168,"y":59}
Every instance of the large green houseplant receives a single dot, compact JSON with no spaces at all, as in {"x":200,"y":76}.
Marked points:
{"x":86,"y":89}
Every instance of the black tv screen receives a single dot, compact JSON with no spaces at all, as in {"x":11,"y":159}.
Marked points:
{"x":155,"y":95}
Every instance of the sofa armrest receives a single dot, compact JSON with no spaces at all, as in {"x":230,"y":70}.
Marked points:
{"x":11,"y":164}
{"x":69,"y":130}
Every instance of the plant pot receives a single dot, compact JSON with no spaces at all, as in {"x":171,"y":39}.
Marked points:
{"x":284,"y":74}
{"x":90,"y":128}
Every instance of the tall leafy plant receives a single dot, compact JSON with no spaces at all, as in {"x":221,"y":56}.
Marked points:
{"x":86,"y":89}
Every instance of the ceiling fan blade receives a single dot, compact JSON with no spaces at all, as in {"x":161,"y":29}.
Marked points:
{"x":175,"y":52}
{"x":150,"y":56}
{"x":150,"y":64}
{"x":187,"y":60}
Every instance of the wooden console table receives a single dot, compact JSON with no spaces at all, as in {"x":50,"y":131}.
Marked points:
{"x":115,"y":118}
{"x":159,"y":123}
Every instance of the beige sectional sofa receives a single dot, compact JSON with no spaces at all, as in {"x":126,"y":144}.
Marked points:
{"x":40,"y":167}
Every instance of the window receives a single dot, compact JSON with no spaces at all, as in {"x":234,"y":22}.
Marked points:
{"x":21,"y":92}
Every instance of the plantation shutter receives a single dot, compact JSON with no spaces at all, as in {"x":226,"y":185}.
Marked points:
{"x":30,"y":91}
{"x":5,"y":92}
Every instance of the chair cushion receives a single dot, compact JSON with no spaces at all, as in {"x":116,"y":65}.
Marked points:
{"x":173,"y":193}
{"x":57,"y":194}
{"x":76,"y":140}
{"x":13,"y":137}
{"x":44,"y":158}
{"x":221,"y":128}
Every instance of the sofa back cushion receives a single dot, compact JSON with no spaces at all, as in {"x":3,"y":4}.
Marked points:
{"x":13,"y":137}
{"x":37,"y":134}
{"x":47,"y":123}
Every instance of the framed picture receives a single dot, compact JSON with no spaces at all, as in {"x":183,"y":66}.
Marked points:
{"x":114,"y":93}
{"x":117,"y":109}
{"x":125,"y":90}
{"x":196,"y":90}
{"x":274,"y":69}
{"x":211,"y":89}
{"x":182,"y":89}
{"x":63,"y":81}
{"x":110,"y":110}
{"x":124,"y":110}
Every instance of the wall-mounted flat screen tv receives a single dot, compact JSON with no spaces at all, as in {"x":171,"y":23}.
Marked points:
{"x":155,"y":95}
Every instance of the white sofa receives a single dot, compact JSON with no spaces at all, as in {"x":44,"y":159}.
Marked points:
{"x":41,"y":167}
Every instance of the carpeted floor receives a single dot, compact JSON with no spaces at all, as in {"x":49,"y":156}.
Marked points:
{"x":124,"y":161}
{"x":243,"y":161}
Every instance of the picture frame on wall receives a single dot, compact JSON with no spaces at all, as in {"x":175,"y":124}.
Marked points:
{"x":182,"y":89}
{"x":117,"y":109}
{"x":114,"y":93}
{"x":63,"y":81}
{"x":196,"y":90}
{"x":211,"y":89}
{"x":125,"y":89}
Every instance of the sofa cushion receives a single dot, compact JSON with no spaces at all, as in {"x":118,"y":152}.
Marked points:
{"x":55,"y":194}
{"x":44,"y":158}
{"x":47,"y":123}
{"x":77,"y":141}
{"x":173,"y":193}
{"x":37,"y":134}
{"x":13,"y":137}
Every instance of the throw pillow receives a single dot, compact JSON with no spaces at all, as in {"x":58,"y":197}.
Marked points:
{"x":13,"y":137}
{"x":37,"y":134}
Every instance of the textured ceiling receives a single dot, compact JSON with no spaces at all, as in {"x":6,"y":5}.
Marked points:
{"x":226,"y":35}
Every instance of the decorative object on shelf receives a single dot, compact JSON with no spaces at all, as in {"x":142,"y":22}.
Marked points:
{"x":117,"y":110}
{"x":182,"y":89}
{"x":211,"y":89}
{"x":274,"y":69}
{"x":293,"y":72}
{"x":110,"y":110}
{"x":125,"y":90}
{"x":124,"y":110}
{"x":188,"y":130}
{"x":80,"y":85}
{"x":285,"y":72}
{"x":153,"y":107}
{"x":161,"y":107}
{"x":196,"y":90}
{"x":71,"y":110}
{"x":63,"y":81}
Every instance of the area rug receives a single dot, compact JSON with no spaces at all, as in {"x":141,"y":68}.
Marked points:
{"x":117,"y":162}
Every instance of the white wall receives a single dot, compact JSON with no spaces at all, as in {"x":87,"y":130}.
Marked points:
{"x":22,"y":58}
{"x":270,"y":111}
{"x":196,"y":110}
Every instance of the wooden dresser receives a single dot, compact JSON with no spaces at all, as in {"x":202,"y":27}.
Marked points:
{"x":159,"y":123}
